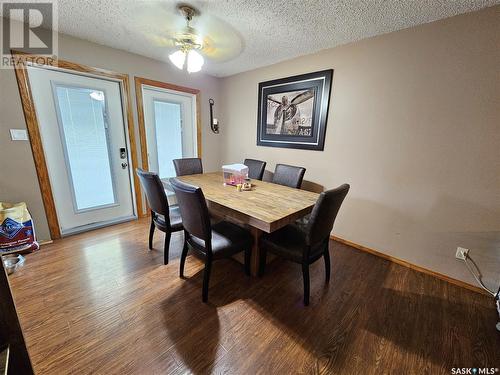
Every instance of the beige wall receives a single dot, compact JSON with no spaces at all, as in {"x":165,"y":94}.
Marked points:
{"x":414,"y":127}
{"x":18,"y":181}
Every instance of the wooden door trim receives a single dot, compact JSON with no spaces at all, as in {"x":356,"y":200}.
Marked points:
{"x":21,"y":60}
{"x":139,"y":81}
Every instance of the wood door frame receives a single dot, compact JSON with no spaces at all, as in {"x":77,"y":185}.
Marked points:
{"x":21,"y":61}
{"x":139,"y":81}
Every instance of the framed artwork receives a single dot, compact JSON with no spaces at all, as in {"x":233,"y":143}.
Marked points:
{"x":292,"y":111}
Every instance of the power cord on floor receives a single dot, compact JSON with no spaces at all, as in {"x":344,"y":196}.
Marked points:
{"x":477,"y":275}
{"x":497,"y":300}
{"x":498,"y":309}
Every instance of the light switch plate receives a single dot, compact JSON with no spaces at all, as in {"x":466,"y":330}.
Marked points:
{"x":18,"y":134}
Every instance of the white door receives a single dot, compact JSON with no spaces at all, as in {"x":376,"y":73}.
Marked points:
{"x":83,"y":134}
{"x":170,"y":122}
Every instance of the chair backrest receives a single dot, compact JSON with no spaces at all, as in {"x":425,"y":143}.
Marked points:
{"x":288,"y":175}
{"x":187,"y":166}
{"x":155,"y":192}
{"x":324,"y":213}
{"x":194,"y":210}
{"x":255,"y":168}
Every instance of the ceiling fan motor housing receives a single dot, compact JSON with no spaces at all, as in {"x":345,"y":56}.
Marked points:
{"x":187,"y":11}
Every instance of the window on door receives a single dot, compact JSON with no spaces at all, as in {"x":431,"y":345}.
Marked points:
{"x":84,"y":130}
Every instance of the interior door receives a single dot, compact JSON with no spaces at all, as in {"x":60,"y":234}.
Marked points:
{"x":83,"y":134}
{"x":170,"y":122}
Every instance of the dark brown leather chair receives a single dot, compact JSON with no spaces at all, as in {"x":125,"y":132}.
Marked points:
{"x":288,"y":175}
{"x":306,"y":244}
{"x":187,"y":166}
{"x":165,"y":218}
{"x":256,"y":168}
{"x":221,"y":240}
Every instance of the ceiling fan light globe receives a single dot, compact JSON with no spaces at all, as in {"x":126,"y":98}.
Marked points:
{"x":178,"y":58}
{"x":194,"y":61}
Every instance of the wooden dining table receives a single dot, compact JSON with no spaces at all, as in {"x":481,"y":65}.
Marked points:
{"x":266,"y":208}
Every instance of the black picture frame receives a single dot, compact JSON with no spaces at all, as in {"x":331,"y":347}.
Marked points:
{"x":293,"y":111}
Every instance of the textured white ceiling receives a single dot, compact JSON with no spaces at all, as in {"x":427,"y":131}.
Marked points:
{"x":259,"y":32}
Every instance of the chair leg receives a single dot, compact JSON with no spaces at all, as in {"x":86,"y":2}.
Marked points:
{"x":166,"y":247}
{"x":326,"y":255}
{"x":248,"y":253}
{"x":183,"y":258}
{"x":206,"y":279}
{"x":305,"y":276}
{"x":151,"y":232}
{"x":262,"y":261}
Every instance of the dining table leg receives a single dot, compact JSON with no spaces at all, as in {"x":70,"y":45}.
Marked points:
{"x":255,"y":258}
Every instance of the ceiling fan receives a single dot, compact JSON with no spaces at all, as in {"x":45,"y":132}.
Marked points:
{"x":188,"y":36}
{"x":188,"y":42}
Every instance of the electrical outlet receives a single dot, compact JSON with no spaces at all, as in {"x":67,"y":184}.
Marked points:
{"x":461,"y":253}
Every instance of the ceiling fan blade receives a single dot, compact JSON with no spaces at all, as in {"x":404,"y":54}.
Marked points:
{"x":161,"y":41}
{"x":222,"y":50}
{"x":221,"y":42}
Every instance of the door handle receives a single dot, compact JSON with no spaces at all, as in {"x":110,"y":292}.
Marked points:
{"x":124,"y":165}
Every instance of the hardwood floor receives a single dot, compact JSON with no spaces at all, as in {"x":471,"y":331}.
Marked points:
{"x":100,"y":302}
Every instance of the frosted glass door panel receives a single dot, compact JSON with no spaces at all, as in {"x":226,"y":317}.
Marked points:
{"x":168,"y":129}
{"x":82,"y":118}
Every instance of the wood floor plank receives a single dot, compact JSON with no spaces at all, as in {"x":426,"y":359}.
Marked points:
{"x":102,"y":303}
